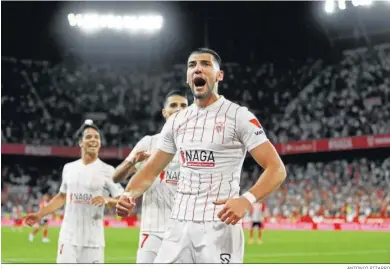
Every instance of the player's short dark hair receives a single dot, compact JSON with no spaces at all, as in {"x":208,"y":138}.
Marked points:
{"x":217,"y":58}
{"x":86,"y":126}
{"x":174,"y":93}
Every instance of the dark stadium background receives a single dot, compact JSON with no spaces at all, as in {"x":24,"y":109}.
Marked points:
{"x":55,"y":76}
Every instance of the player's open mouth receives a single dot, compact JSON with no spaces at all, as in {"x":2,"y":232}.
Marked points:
{"x":199,"y":82}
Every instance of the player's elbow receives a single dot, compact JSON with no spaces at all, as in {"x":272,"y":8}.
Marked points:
{"x":118,"y":175}
{"x":61,"y":196}
{"x":279,"y":171}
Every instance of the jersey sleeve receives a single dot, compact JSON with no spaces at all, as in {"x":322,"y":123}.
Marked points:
{"x":166,"y":141}
{"x":142,"y":145}
{"x":64,"y":187}
{"x":249,"y":130}
{"x":114,"y":189}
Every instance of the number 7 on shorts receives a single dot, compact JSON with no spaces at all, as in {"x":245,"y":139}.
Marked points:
{"x":145,"y":236}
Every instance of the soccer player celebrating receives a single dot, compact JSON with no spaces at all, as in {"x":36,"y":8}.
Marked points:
{"x":157,"y":201}
{"x":42,"y":224}
{"x":212,"y":137}
{"x":83,"y":184}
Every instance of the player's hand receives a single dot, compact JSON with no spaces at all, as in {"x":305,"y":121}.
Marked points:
{"x":32,"y":218}
{"x":98,"y":201}
{"x":140,"y":156}
{"x":234,"y":209}
{"x":125,"y":206}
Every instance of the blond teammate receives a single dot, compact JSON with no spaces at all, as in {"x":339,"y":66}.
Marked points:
{"x":157,"y":201}
{"x":212,"y":137}
{"x":84,"y":183}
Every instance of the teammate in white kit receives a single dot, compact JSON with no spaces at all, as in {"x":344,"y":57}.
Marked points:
{"x":84,"y":182}
{"x":212,"y":137}
{"x":257,"y":218}
{"x":157,"y":201}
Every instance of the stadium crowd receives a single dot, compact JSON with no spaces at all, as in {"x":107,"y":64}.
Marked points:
{"x":330,"y":189}
{"x":313,"y":99}
{"x":338,"y":188}
{"x":45,"y":104}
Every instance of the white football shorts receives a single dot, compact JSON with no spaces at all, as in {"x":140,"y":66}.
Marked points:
{"x":148,"y":247}
{"x":202,"y":242}
{"x":68,"y":253}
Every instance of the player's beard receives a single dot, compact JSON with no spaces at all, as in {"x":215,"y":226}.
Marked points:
{"x":203,"y":95}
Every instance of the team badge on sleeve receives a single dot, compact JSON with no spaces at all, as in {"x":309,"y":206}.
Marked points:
{"x":255,"y":122}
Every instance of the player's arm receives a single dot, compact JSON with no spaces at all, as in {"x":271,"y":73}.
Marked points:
{"x":129,"y":166}
{"x":112,"y":201}
{"x":111,"y":191}
{"x":274,"y":171}
{"x":144,"y":178}
{"x":115,"y":190}
{"x":59,"y":199}
{"x":166,"y":149}
{"x":55,"y":203}
{"x":136,"y":156}
{"x":252,"y":135}
{"x":124,"y":170}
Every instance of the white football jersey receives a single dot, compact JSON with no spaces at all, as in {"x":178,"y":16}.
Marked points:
{"x":158,"y":200}
{"x":212,"y":143}
{"x":83,"y":222}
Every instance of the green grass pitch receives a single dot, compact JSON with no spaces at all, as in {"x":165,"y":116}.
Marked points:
{"x":277,"y":247}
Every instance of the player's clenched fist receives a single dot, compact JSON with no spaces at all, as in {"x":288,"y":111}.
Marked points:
{"x":98,"y":201}
{"x":140,"y":156}
{"x":125,"y":205}
{"x":32,"y":218}
{"x":234,"y":209}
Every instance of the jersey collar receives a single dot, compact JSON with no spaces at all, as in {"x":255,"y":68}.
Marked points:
{"x":214,"y":105}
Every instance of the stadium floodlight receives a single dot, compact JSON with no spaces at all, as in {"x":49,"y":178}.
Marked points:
{"x":368,"y":2}
{"x":341,"y":4}
{"x":329,"y":6}
{"x":142,"y":23}
{"x":357,"y":3}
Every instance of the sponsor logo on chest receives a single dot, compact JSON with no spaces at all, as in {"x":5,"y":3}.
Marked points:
{"x":197,"y":158}
{"x":171,"y":177}
{"x":80,"y":198}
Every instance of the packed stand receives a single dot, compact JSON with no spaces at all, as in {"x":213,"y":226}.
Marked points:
{"x":330,"y":189}
{"x":54,"y":100}
{"x":46,"y":103}
{"x":347,"y":99}
{"x":334,"y":189}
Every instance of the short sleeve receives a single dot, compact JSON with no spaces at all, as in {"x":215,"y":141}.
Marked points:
{"x":142,"y":145}
{"x":249,"y":130}
{"x":166,"y":141}
{"x":64,"y":187}
{"x":114,"y":189}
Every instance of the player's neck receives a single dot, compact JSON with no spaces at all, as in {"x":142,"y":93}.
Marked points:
{"x":88,"y":158}
{"x":207,"y":101}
